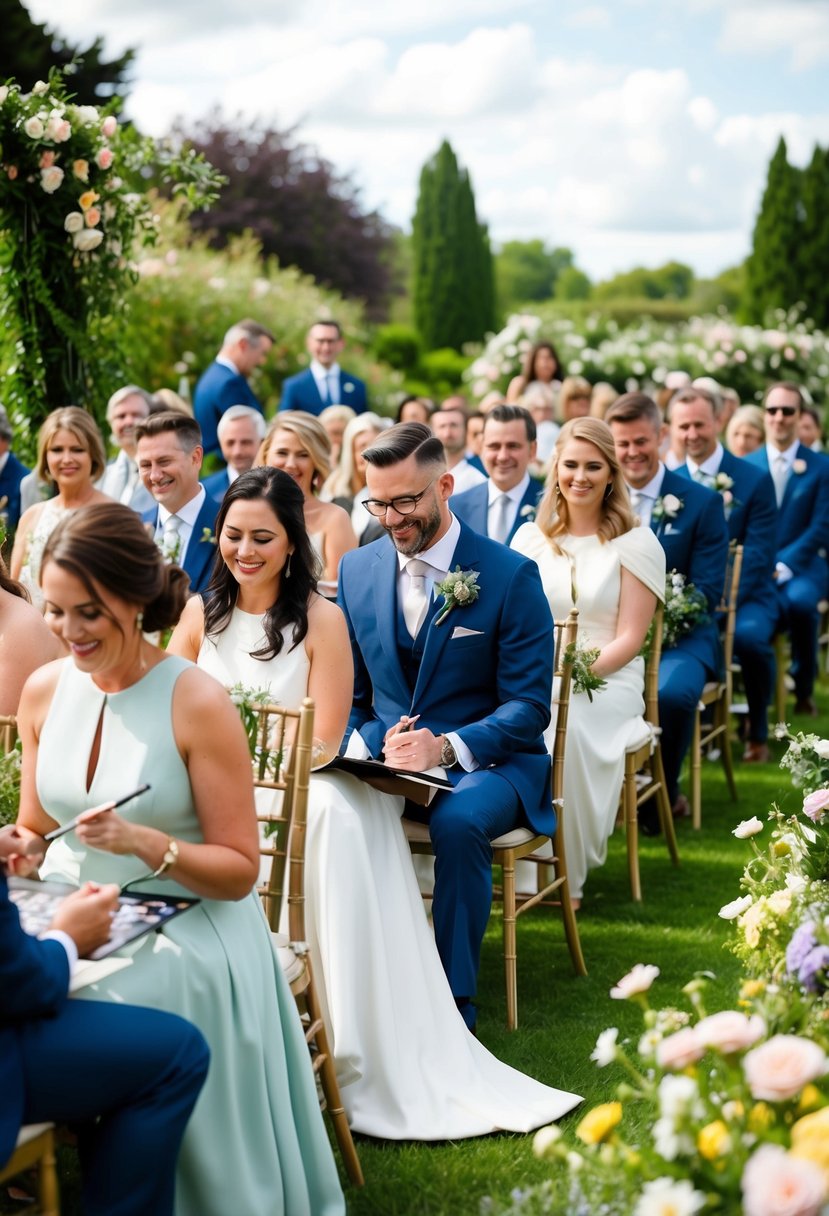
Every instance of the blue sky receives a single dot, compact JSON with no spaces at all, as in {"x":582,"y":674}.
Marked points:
{"x":633,"y":131}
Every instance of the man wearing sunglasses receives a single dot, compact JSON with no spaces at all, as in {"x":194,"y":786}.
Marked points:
{"x":801,"y":483}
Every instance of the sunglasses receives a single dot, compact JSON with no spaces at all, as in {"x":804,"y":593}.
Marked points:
{"x":788,"y":411}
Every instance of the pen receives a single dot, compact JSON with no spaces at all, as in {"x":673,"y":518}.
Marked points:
{"x":70,"y":827}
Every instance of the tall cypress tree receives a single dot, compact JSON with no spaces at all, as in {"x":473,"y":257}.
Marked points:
{"x":453,"y":274}
{"x":772,"y":277}
{"x":813,"y":254}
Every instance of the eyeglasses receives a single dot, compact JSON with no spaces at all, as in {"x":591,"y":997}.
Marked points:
{"x":402,"y":506}
{"x":788,"y":411}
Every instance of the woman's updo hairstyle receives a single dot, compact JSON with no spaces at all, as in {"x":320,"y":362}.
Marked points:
{"x":107,"y":543}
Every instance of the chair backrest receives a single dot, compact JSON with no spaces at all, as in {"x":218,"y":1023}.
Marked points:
{"x":652,"y":667}
{"x":564,"y":634}
{"x":282,"y":764}
{"x":8,"y":732}
{"x":733,"y":570}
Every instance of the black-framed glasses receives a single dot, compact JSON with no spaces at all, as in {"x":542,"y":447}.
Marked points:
{"x":403,"y":505}
{"x":788,"y":411}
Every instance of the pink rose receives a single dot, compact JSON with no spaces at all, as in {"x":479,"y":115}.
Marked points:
{"x":103,"y":158}
{"x":58,"y":129}
{"x":816,"y":805}
{"x":637,"y":980}
{"x":92,"y":217}
{"x":775,"y":1184}
{"x":680,"y":1049}
{"x":47,"y":159}
{"x":730,"y":1031}
{"x":778,"y":1070}
{"x":51,"y":178}
{"x":109,"y":126}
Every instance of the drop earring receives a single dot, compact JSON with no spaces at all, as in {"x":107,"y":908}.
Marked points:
{"x":287,"y":567}
{"x":139,"y":622}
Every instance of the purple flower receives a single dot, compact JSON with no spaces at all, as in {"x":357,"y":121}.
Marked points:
{"x":802,"y":943}
{"x":814,"y":969}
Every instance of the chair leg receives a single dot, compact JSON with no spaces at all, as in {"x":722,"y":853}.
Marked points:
{"x":696,"y":775}
{"x":665,"y":816}
{"x":632,"y":833}
{"x":510,"y":943}
{"x":780,"y":680}
{"x":48,"y":1181}
{"x":331,"y":1089}
{"x":571,"y":928}
{"x":724,"y":720}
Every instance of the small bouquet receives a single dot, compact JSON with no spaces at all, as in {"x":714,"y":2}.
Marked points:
{"x":685,"y":608}
{"x":459,"y":589}
{"x":10,"y":784}
{"x":584,"y":679}
{"x":806,"y":758}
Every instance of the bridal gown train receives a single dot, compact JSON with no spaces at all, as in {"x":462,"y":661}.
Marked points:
{"x":408,"y":1067}
{"x":598,"y":731}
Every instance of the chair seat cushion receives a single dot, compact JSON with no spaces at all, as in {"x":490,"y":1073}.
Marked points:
{"x":511,"y":840}
{"x":292,"y":963}
{"x":31,"y":1131}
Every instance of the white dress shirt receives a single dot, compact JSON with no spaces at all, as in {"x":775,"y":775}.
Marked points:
{"x":514,"y":495}
{"x":647,"y":497}
{"x":710,"y":467}
{"x":328,"y":382}
{"x":466,"y":476}
{"x":775,"y":456}
{"x":188,"y":514}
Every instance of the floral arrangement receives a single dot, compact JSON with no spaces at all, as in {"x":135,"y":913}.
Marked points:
{"x":249,"y":702}
{"x":582,"y":655}
{"x":667,"y":506}
{"x":806,"y":758}
{"x":10,"y":784}
{"x":685,"y":608}
{"x":459,"y":589}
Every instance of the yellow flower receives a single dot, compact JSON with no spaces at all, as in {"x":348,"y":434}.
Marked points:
{"x":810,"y":1140}
{"x":760,"y":1117}
{"x":751,"y":923}
{"x":713,"y":1140}
{"x":810,"y":1099}
{"x":781,"y":848}
{"x":597,"y":1125}
{"x":87,"y":199}
{"x":752,"y":988}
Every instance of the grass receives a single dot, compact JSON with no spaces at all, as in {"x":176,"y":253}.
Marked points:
{"x":560,"y":1016}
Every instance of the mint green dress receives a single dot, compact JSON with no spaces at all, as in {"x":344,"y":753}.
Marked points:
{"x":256,"y":1144}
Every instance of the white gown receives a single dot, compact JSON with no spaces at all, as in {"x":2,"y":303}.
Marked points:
{"x":598,"y":731}
{"x":408,"y":1067}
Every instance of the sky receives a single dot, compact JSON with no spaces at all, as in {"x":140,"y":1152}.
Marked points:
{"x":632,"y":132}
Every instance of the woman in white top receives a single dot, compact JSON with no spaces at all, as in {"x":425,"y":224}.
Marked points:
{"x":592,"y":556}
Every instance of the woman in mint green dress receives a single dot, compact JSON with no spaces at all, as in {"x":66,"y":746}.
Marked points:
{"x":95,"y":726}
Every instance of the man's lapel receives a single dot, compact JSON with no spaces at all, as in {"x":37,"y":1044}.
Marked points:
{"x":466,"y":556}
{"x":384,"y":586}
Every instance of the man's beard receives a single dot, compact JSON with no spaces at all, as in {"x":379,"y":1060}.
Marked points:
{"x":425,"y":530}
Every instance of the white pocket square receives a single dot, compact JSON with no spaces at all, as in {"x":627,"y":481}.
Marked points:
{"x":460,"y":632}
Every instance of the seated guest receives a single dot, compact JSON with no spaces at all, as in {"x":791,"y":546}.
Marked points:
{"x":499,"y":506}
{"x":126,"y":408}
{"x":448,"y":424}
{"x":730,"y":405}
{"x":12,"y":472}
{"x":574,"y":398}
{"x":474,"y":439}
{"x":335,"y":418}
{"x":324,"y":382}
{"x":689,"y":522}
{"x":415,"y":409}
{"x":245,"y":347}
{"x":346,"y":485}
{"x":169,"y":456}
{"x":165,"y":399}
{"x":540,"y":400}
{"x":602,"y":398}
{"x":26,"y":641}
{"x":751,"y":515}
{"x":810,"y":428}
{"x":746,"y":432}
{"x":241,"y":431}
{"x":540,"y":363}
{"x":127,"y":1077}
{"x":801,"y":486}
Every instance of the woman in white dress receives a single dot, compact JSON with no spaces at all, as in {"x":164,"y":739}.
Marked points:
{"x":408,"y":1067}
{"x":592,"y":556}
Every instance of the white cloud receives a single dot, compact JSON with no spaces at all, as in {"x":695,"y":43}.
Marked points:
{"x":590,"y":17}
{"x":703,"y":113}
{"x":763,"y":27}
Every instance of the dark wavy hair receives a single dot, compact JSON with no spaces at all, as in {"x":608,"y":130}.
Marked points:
{"x":107,"y":542}
{"x":286,"y":500}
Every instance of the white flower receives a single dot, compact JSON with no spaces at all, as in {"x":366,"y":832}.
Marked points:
{"x":636,"y":981}
{"x":649,"y":1042}
{"x":4,"y":92}
{"x":73,"y":221}
{"x":671,"y":504}
{"x":796,"y":883}
{"x":33,"y":127}
{"x":544,"y":1139}
{"x":87,"y":115}
{"x":109,"y":126}
{"x":736,"y":908}
{"x":604,"y":1052}
{"x":676,"y":1096}
{"x":669,"y":1197}
{"x":749,"y":827}
{"x":574,"y":1161}
{"x":51,"y":178}
{"x":58,"y":129}
{"x":40,"y":87}
{"x":822,"y":748}
{"x":799,"y":467}
{"x":87,"y":239}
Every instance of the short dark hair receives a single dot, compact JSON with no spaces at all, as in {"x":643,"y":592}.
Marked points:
{"x":513,"y":413}
{"x":686,"y":396}
{"x":789,"y":386}
{"x":185,"y":428}
{"x":330,"y":322}
{"x":403,"y":440}
{"x":631,"y":407}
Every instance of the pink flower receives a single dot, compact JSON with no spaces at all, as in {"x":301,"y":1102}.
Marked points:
{"x":775,"y":1184}
{"x":109,"y":126}
{"x":80,"y":168}
{"x":103,"y":158}
{"x":816,"y":805}
{"x":51,"y":178}
{"x":778,"y":1070}
{"x":92,"y":217}
{"x":680,"y":1049}
{"x":11,"y":172}
{"x":58,"y":129}
{"x":730,"y":1031}
{"x":47,"y":159}
{"x":638,"y":980}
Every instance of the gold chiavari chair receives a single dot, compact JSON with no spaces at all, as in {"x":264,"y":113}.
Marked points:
{"x":8,"y":732}
{"x":36,"y":1148}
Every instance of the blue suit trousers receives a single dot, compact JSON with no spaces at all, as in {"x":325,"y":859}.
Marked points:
{"x":682,"y":677}
{"x":799,"y":601}
{"x":753,"y":631}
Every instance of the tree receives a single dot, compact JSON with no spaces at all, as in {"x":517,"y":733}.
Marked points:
{"x":674,"y":281}
{"x":299,"y":208}
{"x":454,"y":291}
{"x":772,"y":274}
{"x":573,"y":284}
{"x":30,"y":50}
{"x":526,"y":271}
{"x":813,"y":251}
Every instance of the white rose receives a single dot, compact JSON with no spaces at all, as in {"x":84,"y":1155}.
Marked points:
{"x":4,"y":92}
{"x":33,"y":128}
{"x":40,"y":88}
{"x":749,"y":827}
{"x":604,"y":1052}
{"x":58,"y":129}
{"x":544,"y":1139}
{"x":87,"y":115}
{"x":73,"y":221}
{"x":822,"y":748}
{"x":671,"y":503}
{"x":736,"y":908}
{"x":51,"y":178}
{"x":87,"y":239}
{"x":638,"y":980}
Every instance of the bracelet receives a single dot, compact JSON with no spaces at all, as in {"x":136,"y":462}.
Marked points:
{"x":169,"y":859}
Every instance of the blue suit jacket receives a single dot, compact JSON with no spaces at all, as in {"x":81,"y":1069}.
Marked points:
{"x":198,"y":560}
{"x":752,"y":523}
{"x":34,"y":980}
{"x":695,"y":541}
{"x":493,"y":686}
{"x":472,"y":506}
{"x":217,"y":390}
{"x":300,"y":392}
{"x":803,"y":516}
{"x":10,"y":479}
{"x":217,"y":484}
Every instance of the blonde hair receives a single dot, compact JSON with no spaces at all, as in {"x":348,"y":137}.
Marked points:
{"x":339,"y":484}
{"x":746,"y":415}
{"x":553,"y":515}
{"x":310,"y":431}
{"x":83,"y":426}
{"x":572,"y":388}
{"x":601,"y":399}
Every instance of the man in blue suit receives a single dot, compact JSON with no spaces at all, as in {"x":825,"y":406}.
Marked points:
{"x":241,"y":431}
{"x":324,"y":383}
{"x":689,"y":521}
{"x":470,"y":692}
{"x":245,"y":347}
{"x":751,"y":515}
{"x":499,"y":506}
{"x":12,"y":472}
{"x":169,"y":457}
{"x":127,"y":1078}
{"x":801,"y":483}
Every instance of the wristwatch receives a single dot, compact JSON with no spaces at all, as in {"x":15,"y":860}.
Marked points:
{"x":448,"y":758}
{"x":169,"y":859}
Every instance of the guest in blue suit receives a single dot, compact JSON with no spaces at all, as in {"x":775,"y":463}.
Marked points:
{"x":241,"y":431}
{"x":127,"y":1078}
{"x":751,"y":515}
{"x":12,"y":472}
{"x":471,"y":693}
{"x":169,"y":457}
{"x":245,"y":347}
{"x":689,"y":521}
{"x":324,"y":383}
{"x":801,"y":483}
{"x":499,"y":506}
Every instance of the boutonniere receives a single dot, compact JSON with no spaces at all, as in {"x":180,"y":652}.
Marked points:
{"x":799,"y":467}
{"x":348,"y":388}
{"x":527,"y":513}
{"x":208,"y":537}
{"x":169,"y":547}
{"x":459,"y":589}
{"x":723,"y":483}
{"x":667,"y":506}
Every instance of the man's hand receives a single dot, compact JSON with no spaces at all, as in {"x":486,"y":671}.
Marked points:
{"x":413,"y":751}
{"x":86,"y":915}
{"x":19,"y":855}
